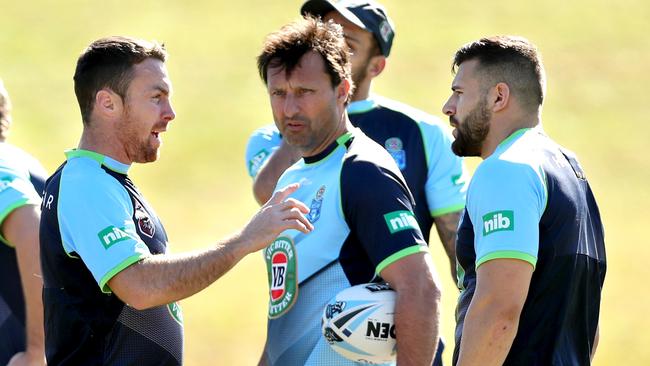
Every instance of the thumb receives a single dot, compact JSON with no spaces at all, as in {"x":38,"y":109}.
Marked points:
{"x":283,"y":193}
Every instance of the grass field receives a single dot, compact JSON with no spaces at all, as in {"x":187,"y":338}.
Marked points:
{"x":596,"y":53}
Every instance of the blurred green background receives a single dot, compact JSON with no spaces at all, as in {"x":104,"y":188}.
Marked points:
{"x":596,"y":53}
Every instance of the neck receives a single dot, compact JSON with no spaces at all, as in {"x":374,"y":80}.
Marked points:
{"x":104,"y":143}
{"x":342,"y":127}
{"x":497,"y":135}
{"x":362,"y":91}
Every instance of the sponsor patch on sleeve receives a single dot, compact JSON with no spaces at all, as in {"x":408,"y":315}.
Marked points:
{"x":498,"y":221}
{"x":400,"y":220}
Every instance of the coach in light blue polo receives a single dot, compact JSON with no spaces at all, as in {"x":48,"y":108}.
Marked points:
{"x":360,"y":207}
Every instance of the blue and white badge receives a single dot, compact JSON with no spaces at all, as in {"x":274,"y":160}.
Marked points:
{"x":316,"y":204}
{"x":395,"y":148}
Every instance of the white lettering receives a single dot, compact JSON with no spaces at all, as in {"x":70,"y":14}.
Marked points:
{"x":50,"y":198}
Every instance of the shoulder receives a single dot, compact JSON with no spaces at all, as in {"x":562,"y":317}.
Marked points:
{"x":430,"y":126}
{"x":84,"y":182}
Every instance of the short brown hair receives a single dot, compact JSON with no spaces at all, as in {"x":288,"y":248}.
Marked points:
{"x":108,"y":63}
{"x":5,"y":112}
{"x":285,"y":48}
{"x":509,"y":59}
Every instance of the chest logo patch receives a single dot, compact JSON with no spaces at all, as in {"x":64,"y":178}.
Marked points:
{"x":395,"y":148}
{"x":498,"y":221}
{"x":316,"y":204}
{"x":145,"y":225}
{"x":281,"y":268}
{"x":176,"y":312}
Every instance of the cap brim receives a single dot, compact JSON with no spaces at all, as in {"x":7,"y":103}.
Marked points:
{"x":321,"y":7}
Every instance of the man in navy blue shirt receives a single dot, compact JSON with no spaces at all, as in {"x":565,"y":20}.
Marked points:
{"x":108,"y":281}
{"x":21,"y":309}
{"x":530,"y":243}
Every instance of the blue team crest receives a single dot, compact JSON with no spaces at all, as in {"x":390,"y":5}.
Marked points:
{"x":395,"y":148}
{"x":316,"y":203}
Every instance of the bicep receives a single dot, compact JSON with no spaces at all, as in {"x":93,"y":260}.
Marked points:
{"x":20,"y":227}
{"x":503,"y":280}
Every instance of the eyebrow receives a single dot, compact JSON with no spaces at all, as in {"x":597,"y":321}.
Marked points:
{"x":163,"y":89}
{"x":350,"y":38}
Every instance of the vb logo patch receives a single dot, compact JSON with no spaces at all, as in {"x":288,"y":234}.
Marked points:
{"x":176,"y":312}
{"x":498,"y":221}
{"x":400,"y":220}
{"x":316,"y":204}
{"x":111,"y":236}
{"x":395,"y":148}
{"x":281,"y":262}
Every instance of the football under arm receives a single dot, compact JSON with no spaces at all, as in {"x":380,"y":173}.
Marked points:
{"x":417,"y":308}
{"x":492,"y":319}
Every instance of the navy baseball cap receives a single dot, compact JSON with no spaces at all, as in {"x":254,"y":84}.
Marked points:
{"x":368,"y":15}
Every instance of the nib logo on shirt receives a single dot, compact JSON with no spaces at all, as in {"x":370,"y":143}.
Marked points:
{"x":111,"y":235}
{"x":498,"y":221}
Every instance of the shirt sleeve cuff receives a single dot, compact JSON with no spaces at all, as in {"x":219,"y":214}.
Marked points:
{"x":103,"y":283}
{"x":399,"y":255}
{"x":448,"y":209}
{"x":511,"y":254}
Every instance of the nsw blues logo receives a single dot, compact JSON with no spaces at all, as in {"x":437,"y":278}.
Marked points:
{"x":316,"y":204}
{"x":395,"y":148}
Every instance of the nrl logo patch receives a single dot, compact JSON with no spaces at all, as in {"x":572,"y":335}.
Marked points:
{"x":316,"y":204}
{"x":5,"y":182}
{"x":395,"y":148}
{"x":145,"y":224}
{"x":255,"y":163}
{"x":281,"y":262}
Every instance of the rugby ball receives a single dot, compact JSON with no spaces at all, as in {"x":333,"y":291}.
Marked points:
{"x":359,"y":323}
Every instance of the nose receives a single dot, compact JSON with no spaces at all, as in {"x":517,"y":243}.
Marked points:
{"x":449,"y":108}
{"x":291,"y":107}
{"x":168,"y":112}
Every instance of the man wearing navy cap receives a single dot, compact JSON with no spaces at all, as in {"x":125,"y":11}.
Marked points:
{"x":419,"y":143}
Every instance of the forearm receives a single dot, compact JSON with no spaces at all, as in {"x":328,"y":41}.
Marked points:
{"x":417,"y":326}
{"x":21,"y":229}
{"x":447,"y":226}
{"x":30,"y":275}
{"x":163,"y":279}
{"x":488,"y":333}
{"x":417,"y":311}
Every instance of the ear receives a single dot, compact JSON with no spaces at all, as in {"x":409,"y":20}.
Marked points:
{"x":108,"y":104}
{"x":500,"y":97}
{"x":343,"y":90}
{"x":376,"y":66}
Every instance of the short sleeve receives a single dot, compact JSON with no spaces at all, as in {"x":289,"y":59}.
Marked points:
{"x":377,"y":208}
{"x":16,"y":190}
{"x":446,"y":185}
{"x":95,"y":215}
{"x":506,"y":201}
{"x":261,"y":144}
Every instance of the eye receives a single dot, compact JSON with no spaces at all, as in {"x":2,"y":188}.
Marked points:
{"x":304,"y":91}
{"x":277,"y":93}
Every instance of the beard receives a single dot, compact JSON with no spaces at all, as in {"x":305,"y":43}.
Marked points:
{"x":471,"y":133}
{"x":139,"y":149}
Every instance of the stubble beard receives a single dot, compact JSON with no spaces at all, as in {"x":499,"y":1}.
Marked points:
{"x":138,"y":150}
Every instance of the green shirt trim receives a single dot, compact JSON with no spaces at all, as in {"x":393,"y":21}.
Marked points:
{"x":101,"y":159}
{"x":446,"y":210}
{"x":514,"y":135}
{"x":399,"y":255}
{"x":6,"y":212}
{"x":103,"y":284}
{"x":510,"y":254}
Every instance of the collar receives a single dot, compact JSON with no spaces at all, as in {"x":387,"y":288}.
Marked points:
{"x":104,"y":160}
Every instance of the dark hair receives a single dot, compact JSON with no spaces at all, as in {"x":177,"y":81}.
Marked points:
{"x":285,"y":48}
{"x":108,"y":63}
{"x":5,"y":112}
{"x":509,"y":59}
